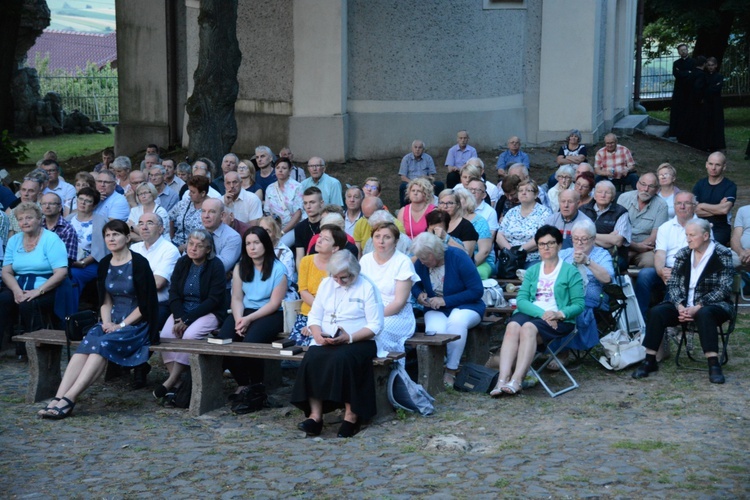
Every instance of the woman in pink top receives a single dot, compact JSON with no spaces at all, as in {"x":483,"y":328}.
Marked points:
{"x":412,"y":216}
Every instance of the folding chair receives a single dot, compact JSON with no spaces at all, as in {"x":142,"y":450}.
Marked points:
{"x":552,"y":352}
{"x":688,"y":329}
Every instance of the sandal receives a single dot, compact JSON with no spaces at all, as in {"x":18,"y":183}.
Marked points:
{"x":60,"y":412}
{"x":513,"y":388}
{"x":449,"y":379}
{"x":48,"y":407}
{"x":498,"y":390}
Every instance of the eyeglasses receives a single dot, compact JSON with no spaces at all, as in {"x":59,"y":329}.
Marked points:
{"x":581,"y":240}
{"x":546,"y":244}
{"x":85,"y":201}
{"x":650,"y":186}
{"x":49,"y":204}
{"x":561,"y":177}
{"x":684,"y":204}
{"x":143,"y":193}
{"x":665,"y":175}
{"x":315,"y":166}
{"x":369,"y":188}
{"x":477,"y":190}
{"x":343,"y":279}
{"x":446,"y":203}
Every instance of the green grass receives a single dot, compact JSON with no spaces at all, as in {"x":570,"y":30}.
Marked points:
{"x":736,"y":130}
{"x":68,"y":146}
{"x":642,"y":445}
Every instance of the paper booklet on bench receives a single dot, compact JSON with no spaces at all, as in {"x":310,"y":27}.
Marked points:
{"x":217,"y":340}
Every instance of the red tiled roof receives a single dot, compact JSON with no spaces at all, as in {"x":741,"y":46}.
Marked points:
{"x":69,"y":50}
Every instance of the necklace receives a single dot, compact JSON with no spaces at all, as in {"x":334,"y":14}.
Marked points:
{"x":337,"y":303}
{"x":29,"y":245}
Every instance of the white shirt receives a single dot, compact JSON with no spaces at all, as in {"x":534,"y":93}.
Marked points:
{"x":65,"y":191}
{"x":493,"y":192}
{"x":212,"y":193}
{"x":398,"y":268}
{"x":697,"y":270}
{"x":162,"y":257}
{"x":670,"y":238}
{"x":489,"y":215}
{"x":545,"y":288}
{"x":246,"y":207}
{"x":352,"y":308}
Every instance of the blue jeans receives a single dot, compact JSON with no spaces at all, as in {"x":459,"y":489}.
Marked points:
{"x":647,"y":281}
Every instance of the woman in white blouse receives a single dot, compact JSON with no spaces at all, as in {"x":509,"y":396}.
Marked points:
{"x":346,"y":316}
{"x":284,"y":199}
{"x":393,"y":273}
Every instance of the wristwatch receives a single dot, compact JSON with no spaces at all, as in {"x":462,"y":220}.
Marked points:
{"x":122,"y":325}
{"x":588,"y":262}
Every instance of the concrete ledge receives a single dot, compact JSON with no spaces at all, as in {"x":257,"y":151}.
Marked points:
{"x":629,"y":124}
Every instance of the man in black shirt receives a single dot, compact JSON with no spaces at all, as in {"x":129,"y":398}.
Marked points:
{"x":312,"y":203}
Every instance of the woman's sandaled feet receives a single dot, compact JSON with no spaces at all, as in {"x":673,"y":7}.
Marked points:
{"x":48,"y":407}
{"x":498,"y":390}
{"x":513,"y":387}
{"x":60,"y":412}
{"x":449,"y":379}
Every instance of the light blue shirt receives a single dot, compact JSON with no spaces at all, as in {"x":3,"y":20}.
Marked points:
{"x":257,"y":293}
{"x":506,"y":159}
{"x":330,"y":187}
{"x":413,"y":167}
{"x":458,"y":158}
{"x":114,"y":207}
{"x":49,"y":254}
{"x":228,"y":244}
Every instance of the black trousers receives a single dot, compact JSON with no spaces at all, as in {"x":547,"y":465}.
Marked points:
{"x":264,"y":330}
{"x":665,"y":315}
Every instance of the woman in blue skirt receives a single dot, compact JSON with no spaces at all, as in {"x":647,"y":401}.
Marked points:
{"x":127,"y":292}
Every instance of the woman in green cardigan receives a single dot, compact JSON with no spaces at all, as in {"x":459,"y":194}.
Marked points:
{"x":550,"y":298}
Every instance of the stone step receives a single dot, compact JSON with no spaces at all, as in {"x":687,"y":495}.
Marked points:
{"x":629,"y":124}
{"x":657,"y":130}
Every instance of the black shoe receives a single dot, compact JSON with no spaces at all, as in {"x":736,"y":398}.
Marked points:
{"x":140,"y":375}
{"x":715,"y":376}
{"x":160,"y":391}
{"x":644,"y":369}
{"x":348,"y":429}
{"x":311,"y":427}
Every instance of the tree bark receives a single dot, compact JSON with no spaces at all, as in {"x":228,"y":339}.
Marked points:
{"x":212,"y":127}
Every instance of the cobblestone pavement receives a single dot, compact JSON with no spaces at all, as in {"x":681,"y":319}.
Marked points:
{"x":673,"y":435}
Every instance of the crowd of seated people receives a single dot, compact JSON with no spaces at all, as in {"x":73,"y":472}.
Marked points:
{"x":263,"y":232}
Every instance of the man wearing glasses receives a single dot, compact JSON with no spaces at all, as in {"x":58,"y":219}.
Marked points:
{"x":113,"y":205}
{"x":646,"y":212}
{"x":167,"y":197}
{"x":670,"y":239}
{"x":53,"y":220}
{"x":330,"y":187}
{"x":30,"y":190}
{"x":56,"y":184}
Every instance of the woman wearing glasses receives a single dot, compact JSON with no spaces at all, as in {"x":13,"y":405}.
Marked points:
{"x":521,"y":223}
{"x":667,"y":176}
{"x":585,"y":187}
{"x":145,"y":195}
{"x":549,"y":300}
{"x":336,"y":371}
{"x":564,"y":178}
{"x":458,"y":227}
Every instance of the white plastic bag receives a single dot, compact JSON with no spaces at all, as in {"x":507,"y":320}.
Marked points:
{"x":620,"y":351}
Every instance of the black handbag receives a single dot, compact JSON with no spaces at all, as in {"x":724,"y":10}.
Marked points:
{"x":475,"y":378}
{"x":509,"y":261}
{"x":78,"y":325}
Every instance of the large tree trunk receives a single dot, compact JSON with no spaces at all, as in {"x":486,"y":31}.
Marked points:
{"x":211,"y":126}
{"x":713,"y":42}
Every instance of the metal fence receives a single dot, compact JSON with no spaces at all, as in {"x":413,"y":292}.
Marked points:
{"x":94,"y":96}
{"x":657,"y":81}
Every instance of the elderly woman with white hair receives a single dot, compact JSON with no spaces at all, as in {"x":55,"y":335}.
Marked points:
{"x":345,"y":317}
{"x":450,"y":290}
{"x":595,"y":265}
{"x":699,"y":290}
{"x":564,"y":177}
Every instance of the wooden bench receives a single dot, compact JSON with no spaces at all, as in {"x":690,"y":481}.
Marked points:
{"x":478,"y":340}
{"x":431,"y":350}
{"x":44,"y":349}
